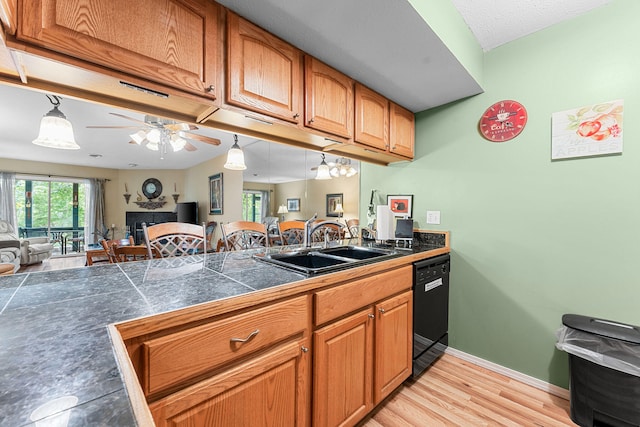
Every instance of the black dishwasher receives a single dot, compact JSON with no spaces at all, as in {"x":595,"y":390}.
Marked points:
{"x":430,"y":311}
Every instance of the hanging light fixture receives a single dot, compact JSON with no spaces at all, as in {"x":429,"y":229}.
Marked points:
{"x":323,"y":170}
{"x":55,"y":130}
{"x":157,"y":139}
{"x":235,"y":157}
{"x":343,"y":168}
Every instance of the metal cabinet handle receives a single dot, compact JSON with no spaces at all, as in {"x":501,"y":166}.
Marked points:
{"x":296,"y":115}
{"x":371,"y":316}
{"x":304,"y":349}
{"x":211,"y":88}
{"x":310,"y":120}
{"x":381,"y":310}
{"x":251,"y":335}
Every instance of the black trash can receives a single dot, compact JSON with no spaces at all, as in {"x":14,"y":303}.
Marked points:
{"x":604,"y":370}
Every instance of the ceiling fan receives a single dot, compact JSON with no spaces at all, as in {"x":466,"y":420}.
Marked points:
{"x":159,"y":134}
{"x":339,"y":169}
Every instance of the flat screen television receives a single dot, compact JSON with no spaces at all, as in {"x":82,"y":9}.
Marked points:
{"x":187,"y":212}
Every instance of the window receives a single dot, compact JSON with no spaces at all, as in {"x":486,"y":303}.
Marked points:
{"x":53,"y":208}
{"x":252,"y":206}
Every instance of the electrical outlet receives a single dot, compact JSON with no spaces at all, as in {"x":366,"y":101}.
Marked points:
{"x":433,"y":217}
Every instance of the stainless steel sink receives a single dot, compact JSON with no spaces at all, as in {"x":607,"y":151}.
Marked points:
{"x":316,"y":261}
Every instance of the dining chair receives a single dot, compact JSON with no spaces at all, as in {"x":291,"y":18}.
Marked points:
{"x":323,"y":231}
{"x":171,"y":239}
{"x":239,"y":235}
{"x":291,"y":232}
{"x":353,"y":225}
{"x":109,"y":247}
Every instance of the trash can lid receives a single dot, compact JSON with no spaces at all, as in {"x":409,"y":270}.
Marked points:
{"x":604,"y":328}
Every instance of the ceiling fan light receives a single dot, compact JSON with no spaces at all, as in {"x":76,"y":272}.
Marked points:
{"x":176,"y":142}
{"x":235,"y":157}
{"x":138,"y":137}
{"x":56,"y":131}
{"x":153,"y":146}
{"x":154,"y":136}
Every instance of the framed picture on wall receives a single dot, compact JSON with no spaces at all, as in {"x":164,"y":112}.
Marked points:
{"x":293,"y":205}
{"x":215,"y":194}
{"x":401,"y":205}
{"x":333,"y":200}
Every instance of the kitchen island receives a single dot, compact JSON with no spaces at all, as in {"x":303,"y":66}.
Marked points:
{"x":55,"y":349}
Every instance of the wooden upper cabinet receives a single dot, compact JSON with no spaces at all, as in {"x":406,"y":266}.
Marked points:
{"x":402,"y":131}
{"x":264,"y":74}
{"x":328,"y":99}
{"x":372,"y":118}
{"x":171,"y":42}
{"x":8,"y":13}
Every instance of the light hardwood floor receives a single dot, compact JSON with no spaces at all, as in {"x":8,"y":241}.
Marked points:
{"x":56,"y":263}
{"x":454,"y":392}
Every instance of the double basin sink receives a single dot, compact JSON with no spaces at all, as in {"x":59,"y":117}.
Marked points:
{"x":324,"y":260}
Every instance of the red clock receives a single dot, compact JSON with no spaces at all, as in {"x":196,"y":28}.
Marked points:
{"x":503,"y":121}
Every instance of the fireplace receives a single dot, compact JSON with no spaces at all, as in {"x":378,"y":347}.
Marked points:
{"x":135,"y":220}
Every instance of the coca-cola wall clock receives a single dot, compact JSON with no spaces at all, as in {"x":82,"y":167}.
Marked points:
{"x":503,"y":121}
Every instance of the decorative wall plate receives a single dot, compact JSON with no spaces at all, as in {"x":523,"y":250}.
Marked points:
{"x":151,"y":188}
{"x":503,"y":121}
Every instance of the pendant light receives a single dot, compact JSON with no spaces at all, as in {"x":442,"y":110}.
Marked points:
{"x":235,"y":157}
{"x":323,"y":170}
{"x":55,"y":130}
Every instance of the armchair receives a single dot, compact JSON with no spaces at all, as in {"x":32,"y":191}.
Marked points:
{"x":9,"y":246}
{"x":35,"y":249}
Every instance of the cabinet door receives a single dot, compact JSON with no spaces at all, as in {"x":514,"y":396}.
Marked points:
{"x":172,"y":42}
{"x":402,"y":131}
{"x":342,"y":371}
{"x":264,"y":73}
{"x":394,"y":344}
{"x":372,"y":118}
{"x":270,"y":390}
{"x":328,"y":99}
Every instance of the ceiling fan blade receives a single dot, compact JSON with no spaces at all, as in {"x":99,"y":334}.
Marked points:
{"x":190,"y":147}
{"x":180,"y":126}
{"x":131,"y":118}
{"x":201,"y":138}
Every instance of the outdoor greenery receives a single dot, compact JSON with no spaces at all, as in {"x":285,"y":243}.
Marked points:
{"x":252,"y":206}
{"x":61,"y":212}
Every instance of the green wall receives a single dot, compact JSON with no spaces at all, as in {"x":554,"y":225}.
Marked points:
{"x":532,"y":238}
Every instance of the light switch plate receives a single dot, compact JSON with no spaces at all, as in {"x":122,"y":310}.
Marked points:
{"x":433,"y":217}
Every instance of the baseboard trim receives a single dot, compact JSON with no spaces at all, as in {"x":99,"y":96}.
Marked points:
{"x":518,"y":376}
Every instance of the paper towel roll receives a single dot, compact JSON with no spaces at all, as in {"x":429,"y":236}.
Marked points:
{"x":385,"y":221}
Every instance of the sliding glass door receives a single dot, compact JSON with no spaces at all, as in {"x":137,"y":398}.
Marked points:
{"x":54,"y":208}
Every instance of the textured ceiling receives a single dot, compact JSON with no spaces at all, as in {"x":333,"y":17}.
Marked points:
{"x":496,"y":22}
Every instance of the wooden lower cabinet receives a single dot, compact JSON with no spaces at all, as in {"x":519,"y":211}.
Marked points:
{"x":268,"y":390}
{"x":360,"y":359}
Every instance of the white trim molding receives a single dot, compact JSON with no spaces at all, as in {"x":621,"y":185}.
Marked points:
{"x":518,"y":376}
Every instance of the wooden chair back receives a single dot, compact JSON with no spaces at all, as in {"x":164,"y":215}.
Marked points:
{"x":323,"y":230}
{"x":353,"y":225}
{"x":171,"y":239}
{"x":291,"y":232}
{"x":109,"y":247}
{"x":239,"y":235}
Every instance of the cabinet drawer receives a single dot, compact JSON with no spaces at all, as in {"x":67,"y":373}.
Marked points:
{"x":340,"y":300}
{"x":186,"y":354}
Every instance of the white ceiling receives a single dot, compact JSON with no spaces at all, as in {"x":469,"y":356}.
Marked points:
{"x":383,"y":44}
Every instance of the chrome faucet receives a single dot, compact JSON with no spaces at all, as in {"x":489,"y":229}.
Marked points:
{"x":307,"y":230}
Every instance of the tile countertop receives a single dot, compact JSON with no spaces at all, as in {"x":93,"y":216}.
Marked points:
{"x":56,"y":357}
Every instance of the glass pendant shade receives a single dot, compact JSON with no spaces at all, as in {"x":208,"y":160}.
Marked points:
{"x":235,"y":157}
{"x":56,"y":132}
{"x":176,"y":142}
{"x":139,"y":137}
{"x":323,"y":170}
